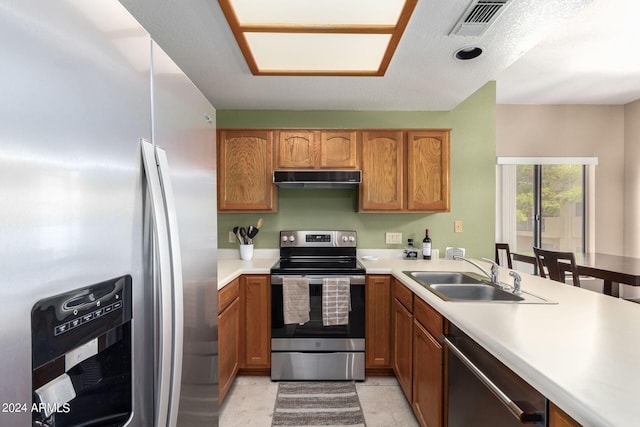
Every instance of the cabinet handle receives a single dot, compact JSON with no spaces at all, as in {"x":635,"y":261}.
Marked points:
{"x":520,"y":414}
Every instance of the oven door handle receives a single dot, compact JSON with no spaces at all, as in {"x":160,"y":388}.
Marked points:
{"x":314,"y":279}
{"x":525,"y":417}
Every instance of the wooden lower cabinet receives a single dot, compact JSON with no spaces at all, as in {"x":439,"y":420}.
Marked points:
{"x":428,"y":377}
{"x":403,"y":347}
{"x":244,"y":329}
{"x":558,"y":418}
{"x":256,"y":295}
{"x":228,"y":336}
{"x":418,"y":356}
{"x":378,"y":322}
{"x":403,"y":337}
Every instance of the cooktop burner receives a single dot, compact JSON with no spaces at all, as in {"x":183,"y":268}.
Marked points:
{"x":318,"y":266}
{"x":318,"y":252}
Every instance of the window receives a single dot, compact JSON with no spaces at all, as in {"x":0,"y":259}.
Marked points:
{"x":544,"y":202}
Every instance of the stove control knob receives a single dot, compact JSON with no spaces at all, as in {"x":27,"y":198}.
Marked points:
{"x":345,"y":239}
{"x":292,"y":238}
{"x":285,"y":239}
{"x":352,"y":238}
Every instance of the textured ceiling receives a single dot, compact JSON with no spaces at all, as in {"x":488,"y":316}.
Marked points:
{"x":423,"y":75}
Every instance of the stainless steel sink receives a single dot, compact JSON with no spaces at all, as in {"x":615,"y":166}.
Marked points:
{"x":444,"y":277}
{"x":474,"y":293}
{"x":469,"y":287}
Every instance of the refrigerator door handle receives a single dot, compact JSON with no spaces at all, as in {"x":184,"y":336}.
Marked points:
{"x":177,"y":297}
{"x":162,"y":286}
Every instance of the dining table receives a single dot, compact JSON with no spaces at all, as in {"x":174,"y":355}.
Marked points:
{"x":612,"y":269}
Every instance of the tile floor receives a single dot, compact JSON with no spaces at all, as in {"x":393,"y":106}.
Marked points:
{"x":251,"y":400}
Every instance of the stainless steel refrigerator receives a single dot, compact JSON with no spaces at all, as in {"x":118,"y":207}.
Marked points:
{"x":108,"y":300}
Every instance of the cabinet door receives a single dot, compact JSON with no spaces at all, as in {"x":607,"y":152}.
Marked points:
{"x":245,"y":164}
{"x":382,"y":187}
{"x":338,"y":150}
{"x":296,"y":149}
{"x":229,"y":346}
{"x":378,"y":318}
{"x":428,"y":170}
{"x":428,"y":360}
{"x":558,"y":418}
{"x":403,"y":347}
{"x":257,"y":321}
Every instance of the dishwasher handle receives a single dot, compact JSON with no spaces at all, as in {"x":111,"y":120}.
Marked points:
{"x":525,"y":416}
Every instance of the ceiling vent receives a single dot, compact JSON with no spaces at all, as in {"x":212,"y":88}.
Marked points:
{"x":478,"y":17}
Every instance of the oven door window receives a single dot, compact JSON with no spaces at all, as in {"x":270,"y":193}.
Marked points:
{"x":314,"y":328}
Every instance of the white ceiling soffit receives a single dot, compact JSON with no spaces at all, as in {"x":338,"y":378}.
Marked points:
{"x":422,"y":76}
{"x":478,"y":17}
{"x":590,"y":60}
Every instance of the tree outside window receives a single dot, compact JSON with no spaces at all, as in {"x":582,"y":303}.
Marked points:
{"x":562,"y":206}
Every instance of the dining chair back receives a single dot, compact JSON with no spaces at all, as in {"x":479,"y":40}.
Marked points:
{"x":503,"y":254}
{"x":550,"y":261}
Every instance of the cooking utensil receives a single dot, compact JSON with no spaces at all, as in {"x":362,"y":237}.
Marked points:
{"x":236,"y":231}
{"x":259,"y":224}
{"x":243,"y":235}
{"x":252,"y":231}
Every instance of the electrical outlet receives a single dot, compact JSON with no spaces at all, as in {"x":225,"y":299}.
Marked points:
{"x":393,"y":238}
{"x":457,"y":226}
{"x":232,"y":237}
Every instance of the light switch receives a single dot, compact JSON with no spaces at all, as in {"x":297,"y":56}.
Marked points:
{"x":457,"y":226}
{"x":393,"y":238}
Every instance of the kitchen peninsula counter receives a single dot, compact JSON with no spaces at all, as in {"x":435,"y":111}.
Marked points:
{"x":582,"y":353}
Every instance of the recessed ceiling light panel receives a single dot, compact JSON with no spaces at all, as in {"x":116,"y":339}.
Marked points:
{"x":318,"y":12}
{"x":318,"y":37}
{"x":306,"y":52}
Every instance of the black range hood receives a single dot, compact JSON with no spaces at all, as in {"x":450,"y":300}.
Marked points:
{"x":317,"y":178}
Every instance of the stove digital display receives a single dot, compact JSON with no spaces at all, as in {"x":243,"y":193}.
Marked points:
{"x":318,"y":237}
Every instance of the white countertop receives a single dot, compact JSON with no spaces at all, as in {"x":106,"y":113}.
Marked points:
{"x":582,"y":353}
{"x":231,"y":266}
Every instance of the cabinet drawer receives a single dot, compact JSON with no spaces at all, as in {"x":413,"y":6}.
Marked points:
{"x":428,"y":317}
{"x":403,"y":294}
{"x":227,"y":294}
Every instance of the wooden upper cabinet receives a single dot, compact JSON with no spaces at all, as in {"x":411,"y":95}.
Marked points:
{"x":338,"y":150}
{"x":245,"y":165}
{"x":296,"y":149}
{"x":382,"y":187}
{"x":319,"y":149}
{"x":405,"y":171}
{"x":428,"y":170}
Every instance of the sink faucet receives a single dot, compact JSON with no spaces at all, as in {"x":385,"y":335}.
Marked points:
{"x":516,"y":282}
{"x":493,"y":275}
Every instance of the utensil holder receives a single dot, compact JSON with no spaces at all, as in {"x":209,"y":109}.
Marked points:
{"x":246,"y":252}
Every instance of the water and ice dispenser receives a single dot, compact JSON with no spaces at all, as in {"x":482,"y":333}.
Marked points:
{"x":81,"y":356}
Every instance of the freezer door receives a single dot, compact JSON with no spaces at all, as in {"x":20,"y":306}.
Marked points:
{"x":76,"y":99}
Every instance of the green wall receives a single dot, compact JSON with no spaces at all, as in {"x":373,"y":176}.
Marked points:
{"x":472,"y":180}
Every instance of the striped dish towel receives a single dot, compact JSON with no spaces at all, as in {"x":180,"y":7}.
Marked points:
{"x":336,"y":301}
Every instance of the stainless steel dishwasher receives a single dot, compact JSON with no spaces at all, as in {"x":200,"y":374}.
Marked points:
{"x":482,"y":391}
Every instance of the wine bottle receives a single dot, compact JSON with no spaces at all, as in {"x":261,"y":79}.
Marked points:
{"x":426,"y":245}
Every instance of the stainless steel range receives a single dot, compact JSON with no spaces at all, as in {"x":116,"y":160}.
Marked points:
{"x":318,"y":307}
